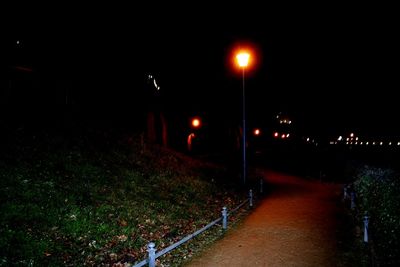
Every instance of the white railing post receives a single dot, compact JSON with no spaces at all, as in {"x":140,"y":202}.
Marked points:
{"x":345,"y":192}
{"x":224,"y":218}
{"x":366,"y":221}
{"x":251,"y":198}
{"x":152,"y":254}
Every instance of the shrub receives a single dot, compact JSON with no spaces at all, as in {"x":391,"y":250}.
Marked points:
{"x":378,"y":192}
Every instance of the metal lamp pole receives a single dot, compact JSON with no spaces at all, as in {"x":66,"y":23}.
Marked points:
{"x":243,"y":60}
{"x":244,"y":128}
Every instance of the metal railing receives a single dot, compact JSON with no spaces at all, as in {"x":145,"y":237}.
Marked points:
{"x":151,"y":247}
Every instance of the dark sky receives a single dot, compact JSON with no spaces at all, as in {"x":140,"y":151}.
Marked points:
{"x":334,"y":68}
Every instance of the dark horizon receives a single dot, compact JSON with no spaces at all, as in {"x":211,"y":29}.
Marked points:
{"x":334,"y":74}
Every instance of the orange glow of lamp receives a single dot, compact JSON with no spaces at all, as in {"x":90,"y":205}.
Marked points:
{"x":196,"y":123}
{"x":242,"y":59}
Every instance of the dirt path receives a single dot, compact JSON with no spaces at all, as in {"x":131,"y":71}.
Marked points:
{"x":294,"y":226}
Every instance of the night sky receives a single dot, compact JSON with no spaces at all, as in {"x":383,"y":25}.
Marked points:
{"x":333,"y":68}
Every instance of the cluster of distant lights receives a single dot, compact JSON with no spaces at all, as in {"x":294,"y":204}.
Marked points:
{"x":285,"y":121}
{"x":354,"y":140}
{"x":381,"y":143}
{"x":282,"y":136}
{"x":282,"y":121}
{"x":312,"y":141}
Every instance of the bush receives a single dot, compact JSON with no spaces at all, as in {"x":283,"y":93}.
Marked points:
{"x":378,"y":192}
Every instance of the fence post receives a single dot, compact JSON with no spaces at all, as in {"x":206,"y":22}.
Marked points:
{"x":251,"y":198}
{"x":224,"y":218}
{"x":345,"y":192}
{"x":152,"y":254}
{"x":352,"y":203}
{"x":261,"y":185}
{"x":366,"y":221}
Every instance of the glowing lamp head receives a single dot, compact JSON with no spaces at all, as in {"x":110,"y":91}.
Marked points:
{"x":196,"y":123}
{"x":276,"y":134}
{"x":257,"y":132}
{"x":243,"y":59}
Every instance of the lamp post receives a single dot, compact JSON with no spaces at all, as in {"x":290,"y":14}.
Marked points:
{"x":242,"y":59}
{"x":195,"y":124}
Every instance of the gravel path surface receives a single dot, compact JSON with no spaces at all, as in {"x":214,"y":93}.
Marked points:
{"x":294,"y":226}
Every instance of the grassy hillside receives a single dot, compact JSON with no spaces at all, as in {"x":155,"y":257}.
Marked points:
{"x":96,"y":199}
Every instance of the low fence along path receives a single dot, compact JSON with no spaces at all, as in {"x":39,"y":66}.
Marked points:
{"x":294,"y":226}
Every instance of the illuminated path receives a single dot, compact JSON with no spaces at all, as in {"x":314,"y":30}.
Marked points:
{"x":294,"y":226}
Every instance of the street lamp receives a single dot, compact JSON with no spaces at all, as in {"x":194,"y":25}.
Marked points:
{"x":196,"y":123}
{"x":242,"y":59}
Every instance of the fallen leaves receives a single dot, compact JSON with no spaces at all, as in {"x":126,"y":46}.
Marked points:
{"x":123,"y":223}
{"x":122,"y":238}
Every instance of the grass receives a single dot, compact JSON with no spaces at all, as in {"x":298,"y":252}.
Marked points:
{"x":95,"y":199}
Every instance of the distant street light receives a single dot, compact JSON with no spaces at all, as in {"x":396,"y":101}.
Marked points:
{"x":242,"y":59}
{"x":196,"y":123}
